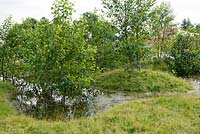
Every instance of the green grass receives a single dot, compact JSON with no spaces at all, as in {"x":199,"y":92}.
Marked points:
{"x":164,"y":115}
{"x":156,"y":64}
{"x":5,"y":107}
{"x":140,"y":81}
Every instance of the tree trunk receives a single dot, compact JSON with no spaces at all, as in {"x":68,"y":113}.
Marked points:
{"x":2,"y":68}
{"x":131,"y":62}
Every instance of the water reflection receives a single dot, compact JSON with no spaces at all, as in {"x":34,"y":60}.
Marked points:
{"x":53,"y":106}
{"x":33,"y":101}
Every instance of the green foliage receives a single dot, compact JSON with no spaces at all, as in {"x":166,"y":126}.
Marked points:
{"x":158,"y":64}
{"x":29,"y":23}
{"x":52,"y":55}
{"x":197,"y":28}
{"x":162,"y":27}
{"x":5,"y":55}
{"x":155,"y":115}
{"x":186,"y":24}
{"x":60,"y":57}
{"x":132,"y":19}
{"x":185,"y":54}
{"x":140,"y":82}
{"x":62,"y":10}
{"x":101,"y":34}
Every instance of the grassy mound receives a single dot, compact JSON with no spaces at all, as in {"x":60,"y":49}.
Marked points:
{"x":177,"y":114}
{"x":140,"y":81}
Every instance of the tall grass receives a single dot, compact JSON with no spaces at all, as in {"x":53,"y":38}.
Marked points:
{"x":164,"y":115}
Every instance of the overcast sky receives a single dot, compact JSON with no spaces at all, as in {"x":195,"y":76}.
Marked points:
{"x":38,"y":8}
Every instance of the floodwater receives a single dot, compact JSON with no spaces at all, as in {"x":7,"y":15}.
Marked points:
{"x":91,"y":102}
{"x":89,"y":105}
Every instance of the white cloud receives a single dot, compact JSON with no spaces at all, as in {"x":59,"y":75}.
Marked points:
{"x":186,"y":9}
{"x":24,"y":8}
{"x":38,"y":8}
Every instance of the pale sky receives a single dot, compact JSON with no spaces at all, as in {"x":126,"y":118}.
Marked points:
{"x":38,"y":8}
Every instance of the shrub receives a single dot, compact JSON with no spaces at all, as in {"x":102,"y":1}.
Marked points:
{"x":186,"y":55}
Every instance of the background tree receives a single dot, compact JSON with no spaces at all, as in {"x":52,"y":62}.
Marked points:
{"x":101,"y":34}
{"x":4,"y":48}
{"x":62,"y":10}
{"x":197,"y":27}
{"x":132,"y":19}
{"x":163,"y":27}
{"x":186,"y":24}
{"x":13,"y":42}
{"x":185,"y":53}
